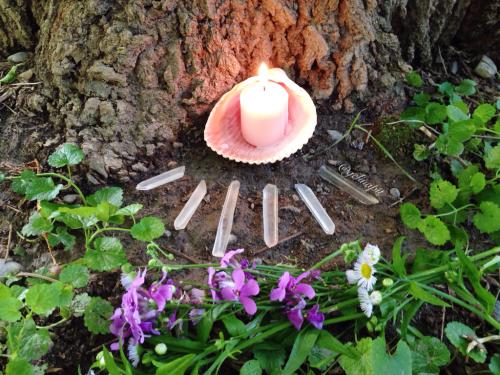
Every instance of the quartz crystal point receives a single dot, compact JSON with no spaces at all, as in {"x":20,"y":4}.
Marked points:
{"x":344,"y":184}
{"x":190,"y":208}
{"x":270,"y":208}
{"x":226,"y":220}
{"x":316,"y":208}
{"x":161,"y":179}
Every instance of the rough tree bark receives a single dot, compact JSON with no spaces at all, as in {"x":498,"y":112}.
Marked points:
{"x":125,"y":74}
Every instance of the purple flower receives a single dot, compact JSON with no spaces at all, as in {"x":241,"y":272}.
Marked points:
{"x":228,"y":260}
{"x":216,"y":296}
{"x":197,"y":295}
{"x":315,"y":318}
{"x":171,"y":321}
{"x":280,"y":292}
{"x":314,"y":275}
{"x":196,"y":315}
{"x":162,"y":293}
{"x":295,"y":287}
{"x":245,"y":264}
{"x":295,"y":313}
{"x":241,"y":291}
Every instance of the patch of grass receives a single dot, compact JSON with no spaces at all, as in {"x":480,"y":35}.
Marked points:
{"x":398,"y":139}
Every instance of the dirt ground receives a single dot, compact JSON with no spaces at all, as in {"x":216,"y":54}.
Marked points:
{"x":378,"y":224}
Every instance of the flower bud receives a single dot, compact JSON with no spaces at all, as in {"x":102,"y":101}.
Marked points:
{"x":99,"y":356}
{"x":102,"y":362}
{"x":369,"y":327}
{"x":353,"y":245}
{"x":161,"y":349}
{"x":344,"y":247}
{"x":387,"y":282}
{"x":349,"y":256}
{"x":379,"y":327}
{"x":127,"y":268}
{"x":170,"y":256}
{"x":376,"y":298}
{"x":152,"y":262}
{"x":374,"y":320}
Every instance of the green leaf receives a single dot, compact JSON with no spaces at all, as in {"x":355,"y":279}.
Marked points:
{"x":28,"y":229}
{"x":492,"y":158}
{"x":410,"y":312}
{"x":428,"y":354}
{"x":76,"y":276}
{"x":40,"y":369}
{"x":494,"y":365}
{"x":108,"y":254}
{"x":426,"y":259}
{"x":466,"y":176}
{"x":42,"y":189}
{"x":424,"y":295}
{"x":484,"y":112}
{"x":398,"y":262}
{"x":454,"y":332}
{"x":129,"y":210}
{"x":362,"y":365}
{"x":75,"y":221}
{"x":414,"y":79}
{"x":251,"y":367}
{"x":467,"y":87}
{"x":456,"y":168}
{"x":456,"y":114}
{"x":488,"y":221}
{"x":62,"y":236}
{"x":33,"y":343}
{"x":176,"y":367}
{"x":478,"y":182}
{"x":449,"y":146}
{"x":462,"y":130}
{"x":421,"y":152}
{"x":491,"y":194}
{"x":206,"y":323}
{"x":50,"y":210}
{"x":79,"y":303}
{"x":271,"y":360}
{"x":398,"y":363}
{"x":20,"y":186}
{"x":109,"y":362}
{"x":442,"y":192}
{"x":97,"y":314}
{"x":65,"y":293}
{"x":446,"y":88}
{"x":19,"y":366}
{"x":327,"y":341}
{"x":147,"y":229}
{"x":462,"y":106}
{"x":436,"y":231}
{"x":2,"y":177}
{"x":79,"y":211}
{"x":321,"y":358}
{"x":301,"y":348}
{"x":105,"y":211}
{"x":435,"y":113}
{"x":422,"y":99}
{"x":67,"y":155}
{"x":44,"y":272}
{"x":414,"y":113}
{"x":112,"y":195}
{"x":234,"y":326}
{"x":42,"y":298}
{"x":9,"y":310}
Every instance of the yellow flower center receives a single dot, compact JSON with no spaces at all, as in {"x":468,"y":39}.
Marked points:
{"x":366,"y":270}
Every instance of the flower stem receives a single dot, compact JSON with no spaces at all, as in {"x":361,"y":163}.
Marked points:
{"x":331,"y":256}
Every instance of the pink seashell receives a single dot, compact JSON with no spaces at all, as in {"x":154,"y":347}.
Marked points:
{"x":223,"y":130}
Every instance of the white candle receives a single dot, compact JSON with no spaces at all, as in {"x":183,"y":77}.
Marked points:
{"x":264,"y":111}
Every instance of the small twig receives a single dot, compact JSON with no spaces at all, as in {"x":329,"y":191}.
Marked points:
{"x":12,"y":208}
{"x":28,"y":274}
{"x":446,"y":72}
{"x":46,"y":236}
{"x":368,"y":137}
{"x":14,"y":112}
{"x":400,"y":200}
{"x":485,"y":136}
{"x":100,"y":347}
{"x":469,"y":98}
{"x":279,"y":242}
{"x":179,"y":254}
{"x":8,"y":244}
{"x":25,"y":84}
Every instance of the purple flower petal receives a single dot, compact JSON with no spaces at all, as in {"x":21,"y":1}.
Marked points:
{"x":315,"y":318}
{"x":238,"y":278}
{"x":302,"y":276}
{"x":306,"y":290}
{"x":249,"y":304}
{"x":250,"y":288}
{"x":284,"y":279}
{"x":295,"y":316}
{"x":227,"y":260}
{"x":115,"y":346}
{"x":278,"y":294}
{"x":228,"y":294}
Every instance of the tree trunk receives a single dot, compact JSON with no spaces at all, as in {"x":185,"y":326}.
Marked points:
{"x":125,"y":74}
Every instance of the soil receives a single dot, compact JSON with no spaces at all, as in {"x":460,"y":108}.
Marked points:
{"x":23,"y":138}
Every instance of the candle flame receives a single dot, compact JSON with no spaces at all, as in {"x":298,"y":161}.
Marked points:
{"x":263,"y":75}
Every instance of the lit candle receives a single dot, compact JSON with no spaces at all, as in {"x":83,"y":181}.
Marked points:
{"x":264,"y":111}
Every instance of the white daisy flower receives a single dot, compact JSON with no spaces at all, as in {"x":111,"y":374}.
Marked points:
{"x":365,"y":302}
{"x":364,"y":271}
{"x":351,"y":277}
{"x":376,"y":298}
{"x":134,"y":353}
{"x":372,"y":252}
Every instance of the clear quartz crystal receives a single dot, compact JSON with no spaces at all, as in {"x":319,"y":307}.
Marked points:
{"x":162,"y":179}
{"x":316,"y":208}
{"x":346,"y":185}
{"x":270,"y":208}
{"x":190,"y":208}
{"x":226,"y":220}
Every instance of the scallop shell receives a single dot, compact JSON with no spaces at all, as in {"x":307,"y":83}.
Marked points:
{"x":223,"y":129}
